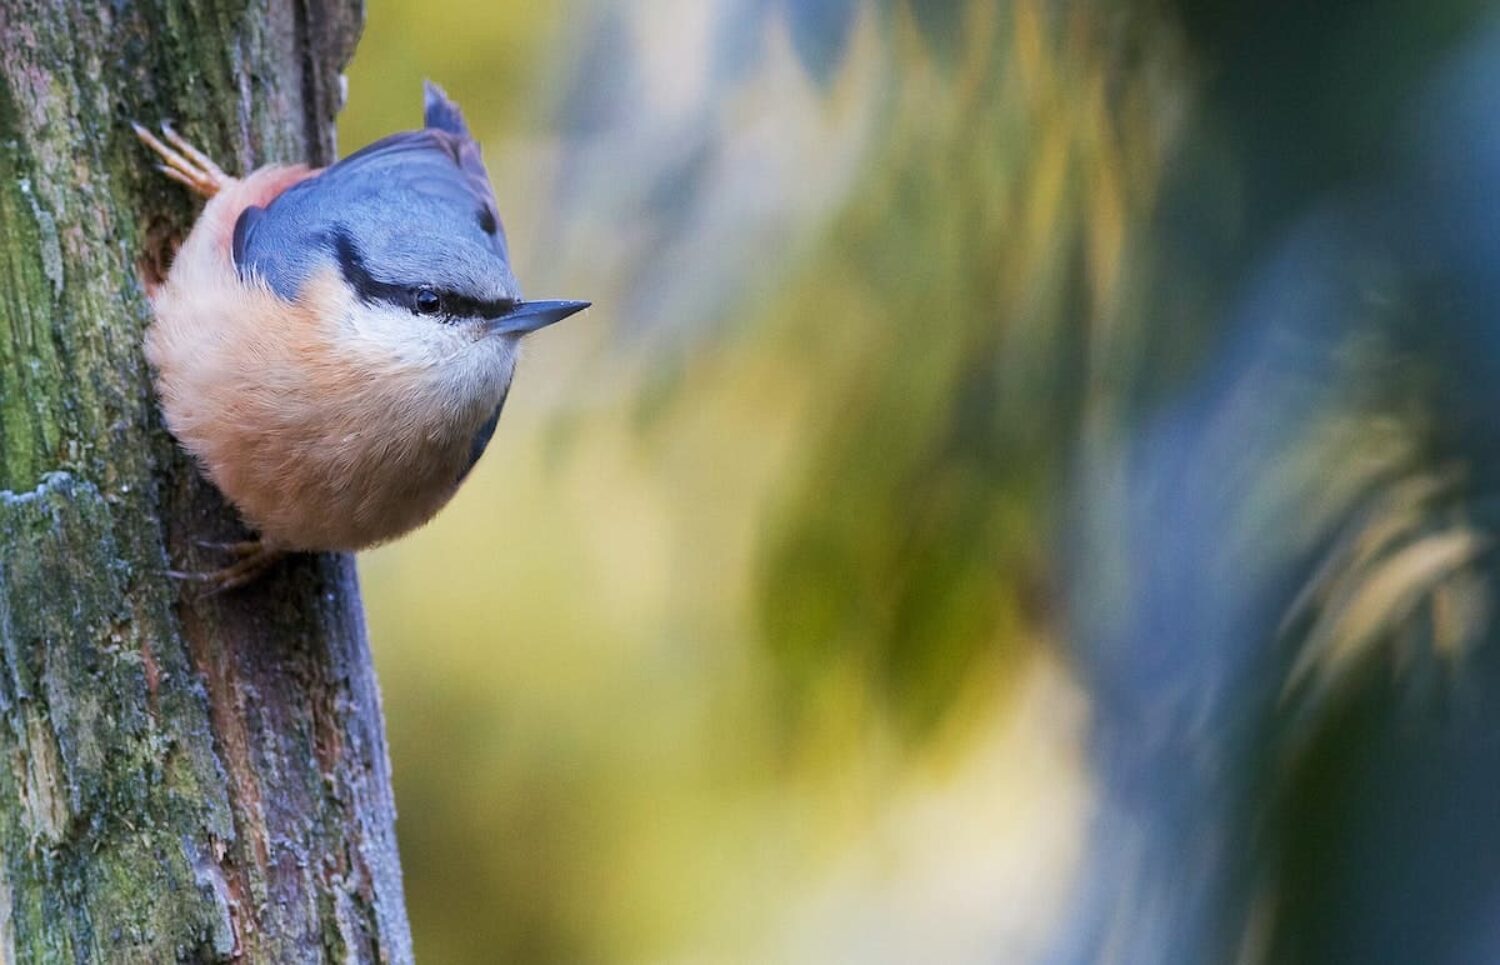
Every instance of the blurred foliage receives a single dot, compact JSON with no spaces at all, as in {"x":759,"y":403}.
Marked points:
{"x":589,"y":714}
{"x":969,"y":310}
{"x":930,"y":339}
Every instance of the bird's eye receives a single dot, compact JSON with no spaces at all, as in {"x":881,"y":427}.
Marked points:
{"x":428,"y":302}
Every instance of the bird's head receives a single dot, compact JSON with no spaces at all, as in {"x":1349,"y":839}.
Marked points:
{"x":429,"y":268}
{"x":409,"y":226}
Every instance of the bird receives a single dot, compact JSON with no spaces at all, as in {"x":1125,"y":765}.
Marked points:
{"x":333,"y":346}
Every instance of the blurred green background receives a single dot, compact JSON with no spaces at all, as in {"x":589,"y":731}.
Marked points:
{"x":1013,"y":443}
{"x":626,"y":722}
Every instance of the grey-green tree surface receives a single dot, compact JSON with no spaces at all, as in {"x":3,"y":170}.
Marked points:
{"x":181,"y":777}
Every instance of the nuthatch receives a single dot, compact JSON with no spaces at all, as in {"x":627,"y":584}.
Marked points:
{"x":334,"y":346}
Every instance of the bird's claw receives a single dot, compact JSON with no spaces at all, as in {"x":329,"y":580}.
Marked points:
{"x":182,"y":162}
{"x":253,"y":559}
{"x":236,"y":548}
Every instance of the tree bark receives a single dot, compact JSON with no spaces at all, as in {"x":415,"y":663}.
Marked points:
{"x":181,"y":778}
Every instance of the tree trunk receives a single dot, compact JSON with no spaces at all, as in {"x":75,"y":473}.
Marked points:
{"x":180,"y":777}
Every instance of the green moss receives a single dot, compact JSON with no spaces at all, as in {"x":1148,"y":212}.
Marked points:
{"x":155,"y":763}
{"x":26,"y":361}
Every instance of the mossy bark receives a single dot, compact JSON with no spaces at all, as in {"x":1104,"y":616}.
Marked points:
{"x":180,"y":778}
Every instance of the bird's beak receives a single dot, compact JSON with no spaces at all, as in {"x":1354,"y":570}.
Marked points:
{"x":530,"y":316}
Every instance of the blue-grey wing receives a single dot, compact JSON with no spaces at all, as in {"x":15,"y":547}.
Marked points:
{"x":417,"y":206}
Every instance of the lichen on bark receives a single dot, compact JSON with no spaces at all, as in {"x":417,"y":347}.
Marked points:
{"x":181,"y":778}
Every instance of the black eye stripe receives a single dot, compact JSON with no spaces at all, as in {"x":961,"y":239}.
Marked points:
{"x":365,"y":285}
{"x":461,"y":306}
{"x":371,"y":289}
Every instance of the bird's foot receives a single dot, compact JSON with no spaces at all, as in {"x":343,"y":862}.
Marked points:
{"x":252,"y":559}
{"x":182,"y":162}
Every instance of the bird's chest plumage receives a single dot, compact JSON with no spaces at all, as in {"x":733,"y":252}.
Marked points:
{"x":389,"y":449}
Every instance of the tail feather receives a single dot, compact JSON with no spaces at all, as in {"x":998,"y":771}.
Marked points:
{"x":440,"y":112}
